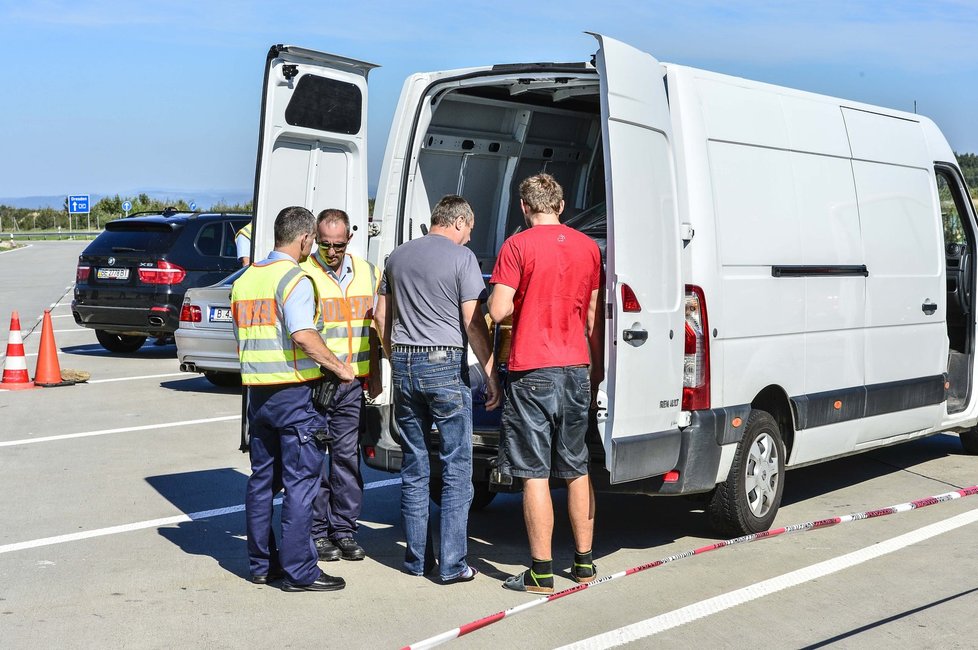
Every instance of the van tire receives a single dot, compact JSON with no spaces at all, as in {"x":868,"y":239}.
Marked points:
{"x":482,"y":495}
{"x":969,"y":440}
{"x":121,"y":343}
{"x":748,"y":501}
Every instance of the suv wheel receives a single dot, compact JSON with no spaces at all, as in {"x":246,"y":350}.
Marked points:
{"x":119,"y":342}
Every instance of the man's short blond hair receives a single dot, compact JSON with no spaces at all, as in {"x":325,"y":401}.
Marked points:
{"x":542,"y":194}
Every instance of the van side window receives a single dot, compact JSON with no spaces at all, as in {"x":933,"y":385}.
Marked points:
{"x":953,"y":227}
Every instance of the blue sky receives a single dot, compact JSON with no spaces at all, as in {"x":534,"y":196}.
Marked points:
{"x":107,"y":96}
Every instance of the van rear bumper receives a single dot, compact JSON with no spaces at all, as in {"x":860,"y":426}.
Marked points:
{"x":700,"y":445}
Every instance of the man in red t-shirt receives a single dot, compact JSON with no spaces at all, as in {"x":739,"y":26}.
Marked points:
{"x":548,"y":278}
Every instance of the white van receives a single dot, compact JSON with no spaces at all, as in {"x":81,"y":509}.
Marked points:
{"x":789,"y":276}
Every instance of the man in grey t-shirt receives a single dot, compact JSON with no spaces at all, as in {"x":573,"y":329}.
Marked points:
{"x":429,"y":310}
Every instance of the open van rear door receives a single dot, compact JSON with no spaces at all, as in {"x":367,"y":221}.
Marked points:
{"x":312,"y":146}
{"x":645,"y":359}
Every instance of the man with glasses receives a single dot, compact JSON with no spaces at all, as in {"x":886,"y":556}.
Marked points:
{"x":429,"y":310}
{"x":347,"y":287}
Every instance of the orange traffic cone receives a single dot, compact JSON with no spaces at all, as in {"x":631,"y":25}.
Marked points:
{"x":15,"y":375}
{"x":48,"y":371}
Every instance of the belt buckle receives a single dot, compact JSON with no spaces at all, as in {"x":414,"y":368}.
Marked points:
{"x":438,"y":356}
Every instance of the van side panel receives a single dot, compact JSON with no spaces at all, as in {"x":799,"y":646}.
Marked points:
{"x":903,"y":245}
{"x":826,"y":232}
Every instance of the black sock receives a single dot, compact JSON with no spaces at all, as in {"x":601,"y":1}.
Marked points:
{"x":584,"y":559}
{"x":541,"y":574}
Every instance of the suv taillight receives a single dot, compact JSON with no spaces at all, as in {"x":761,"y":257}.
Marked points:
{"x":696,"y":361}
{"x":81,"y":273}
{"x":190,"y":313}
{"x":163,"y":273}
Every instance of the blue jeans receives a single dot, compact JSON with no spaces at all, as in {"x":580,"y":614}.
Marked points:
{"x":428,"y":389}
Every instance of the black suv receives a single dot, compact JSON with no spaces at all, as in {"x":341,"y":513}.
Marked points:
{"x":131,"y":279}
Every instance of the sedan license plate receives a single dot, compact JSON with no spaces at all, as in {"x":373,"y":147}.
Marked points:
{"x":220,"y":315}
{"x":113,"y":274}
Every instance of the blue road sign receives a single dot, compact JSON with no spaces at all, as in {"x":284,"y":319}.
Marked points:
{"x":193,"y":206}
{"x":78,"y":204}
{"x":127,"y":205}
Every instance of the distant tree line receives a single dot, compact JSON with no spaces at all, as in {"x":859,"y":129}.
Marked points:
{"x":969,"y":167}
{"x":106,"y":209}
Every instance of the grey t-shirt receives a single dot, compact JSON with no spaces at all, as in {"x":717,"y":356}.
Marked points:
{"x":428,"y":279}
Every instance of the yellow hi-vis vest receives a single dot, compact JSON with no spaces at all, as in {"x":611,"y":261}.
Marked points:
{"x":267,"y":353}
{"x":347,"y":317}
{"x":245,"y":230}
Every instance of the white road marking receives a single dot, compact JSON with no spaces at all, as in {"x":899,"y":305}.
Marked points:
{"x":146,"y":427}
{"x":168,"y":374}
{"x":19,"y":248}
{"x":151,"y":523}
{"x":704,"y":608}
{"x":73,"y":329}
{"x":58,"y":316}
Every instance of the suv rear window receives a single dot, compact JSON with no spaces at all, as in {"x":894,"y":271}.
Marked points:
{"x":151,"y":239}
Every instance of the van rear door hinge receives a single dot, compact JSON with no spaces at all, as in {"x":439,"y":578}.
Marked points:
{"x":686,"y":232}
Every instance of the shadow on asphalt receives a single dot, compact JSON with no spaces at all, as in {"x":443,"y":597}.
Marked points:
{"x":221,"y":536}
{"x":497,"y":534}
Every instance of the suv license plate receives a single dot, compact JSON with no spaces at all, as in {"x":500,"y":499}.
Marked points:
{"x":112,"y":274}
{"x":220,"y":315}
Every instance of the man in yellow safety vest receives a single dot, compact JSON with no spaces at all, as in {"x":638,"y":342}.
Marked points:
{"x":347,"y":287}
{"x":277,"y":322}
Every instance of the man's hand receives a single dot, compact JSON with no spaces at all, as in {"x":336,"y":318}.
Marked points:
{"x":346,"y":373}
{"x":493,"y":394}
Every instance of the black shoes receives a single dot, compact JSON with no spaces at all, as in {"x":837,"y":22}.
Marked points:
{"x":327,"y":550}
{"x":264,"y":578}
{"x":323,"y":583}
{"x":345,"y":547}
{"x":349,"y":549}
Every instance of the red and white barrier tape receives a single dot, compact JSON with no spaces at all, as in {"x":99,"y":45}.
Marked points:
{"x":795,"y":528}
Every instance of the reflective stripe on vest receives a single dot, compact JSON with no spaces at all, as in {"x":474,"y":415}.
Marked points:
{"x":347,"y":318}
{"x":266,"y":351}
{"x":244,"y":231}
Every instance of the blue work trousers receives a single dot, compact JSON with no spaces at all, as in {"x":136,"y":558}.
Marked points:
{"x":282,"y":421}
{"x":428,"y":389}
{"x":340,"y":498}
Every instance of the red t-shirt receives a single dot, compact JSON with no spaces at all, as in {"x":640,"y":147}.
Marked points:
{"x":553,"y":269}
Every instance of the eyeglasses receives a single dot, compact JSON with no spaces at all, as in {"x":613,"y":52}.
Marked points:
{"x":338,"y":247}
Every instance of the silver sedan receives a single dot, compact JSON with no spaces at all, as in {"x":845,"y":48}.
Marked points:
{"x":205,"y":339}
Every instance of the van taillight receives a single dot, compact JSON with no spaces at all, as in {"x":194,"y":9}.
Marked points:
{"x":696,"y":360}
{"x":163,"y":273}
{"x":629,"y":302}
{"x":190,"y":313}
{"x":81,"y":273}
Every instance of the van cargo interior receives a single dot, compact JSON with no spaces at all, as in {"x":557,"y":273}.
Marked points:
{"x":482,"y":141}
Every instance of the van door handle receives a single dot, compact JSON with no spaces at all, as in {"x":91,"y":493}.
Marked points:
{"x":928,"y":307}
{"x":635,"y":337}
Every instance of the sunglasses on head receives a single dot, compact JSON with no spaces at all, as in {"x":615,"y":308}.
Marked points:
{"x":334,"y":245}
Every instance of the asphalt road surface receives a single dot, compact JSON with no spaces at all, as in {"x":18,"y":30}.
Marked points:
{"x":122,"y":525}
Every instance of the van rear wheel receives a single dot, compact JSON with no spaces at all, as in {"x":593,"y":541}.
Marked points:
{"x":482,"y":495}
{"x":748,"y":500}
{"x":969,"y":440}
